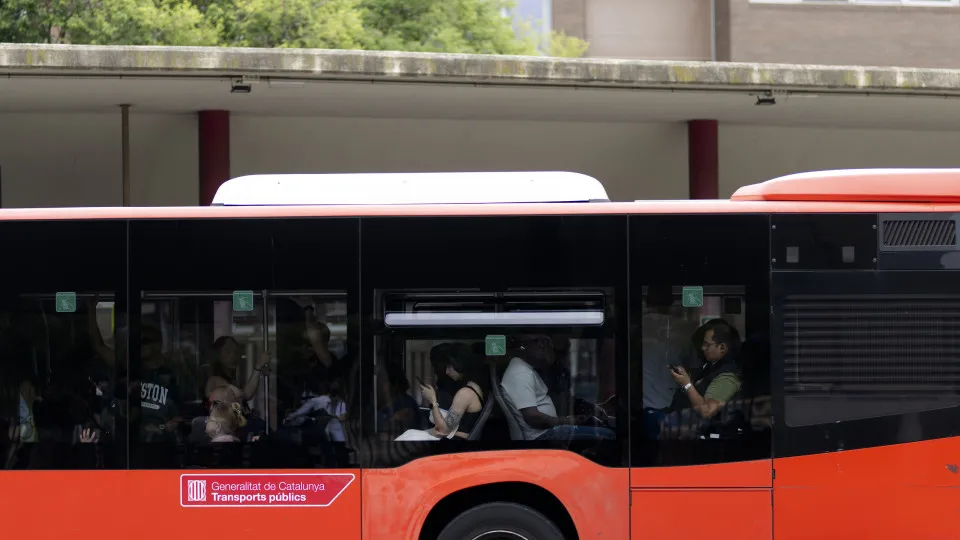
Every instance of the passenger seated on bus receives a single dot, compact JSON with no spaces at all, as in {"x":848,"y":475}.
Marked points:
{"x":528,"y":399}
{"x":332,"y":409}
{"x":224,"y":422}
{"x":225,"y":368}
{"x":445,"y":386}
{"x":718,"y":381}
{"x":467,"y":370}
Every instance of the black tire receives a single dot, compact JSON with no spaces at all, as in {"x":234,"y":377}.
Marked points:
{"x":512,"y":521}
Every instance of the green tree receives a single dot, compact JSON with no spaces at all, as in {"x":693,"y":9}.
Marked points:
{"x":35,"y":21}
{"x":325,"y":24}
{"x":105,"y":22}
{"x":142,"y":22}
{"x":454,"y":26}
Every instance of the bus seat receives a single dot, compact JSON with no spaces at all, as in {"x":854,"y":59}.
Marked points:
{"x":477,"y":430}
{"x":515,"y":432}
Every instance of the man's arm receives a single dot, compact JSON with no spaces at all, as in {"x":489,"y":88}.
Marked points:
{"x":721,"y":390}
{"x":536,"y":419}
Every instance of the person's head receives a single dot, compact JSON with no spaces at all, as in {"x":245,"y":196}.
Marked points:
{"x":224,"y":393}
{"x":333,"y":389}
{"x":463,"y":365}
{"x":228,"y":351}
{"x":720,"y":341}
{"x":535,"y":349}
{"x":224,"y":419}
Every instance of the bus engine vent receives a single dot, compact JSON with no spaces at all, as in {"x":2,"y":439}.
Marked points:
{"x":919,"y":233}
{"x":849,"y":357}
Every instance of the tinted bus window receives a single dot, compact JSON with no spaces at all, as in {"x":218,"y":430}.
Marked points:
{"x":495,"y":333}
{"x":700,"y":316}
{"x":251,"y":367}
{"x":63,"y":399}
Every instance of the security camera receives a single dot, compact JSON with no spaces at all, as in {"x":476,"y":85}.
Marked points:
{"x":240,"y":86}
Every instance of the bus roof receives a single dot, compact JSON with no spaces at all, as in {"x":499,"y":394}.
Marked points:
{"x":410,"y":188}
{"x":843,"y":191}
{"x":650,"y":207}
{"x":859,"y":185}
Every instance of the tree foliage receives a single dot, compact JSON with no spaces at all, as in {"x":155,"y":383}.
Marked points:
{"x":455,"y":26}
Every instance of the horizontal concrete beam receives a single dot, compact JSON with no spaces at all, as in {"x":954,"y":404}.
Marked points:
{"x":74,"y":60}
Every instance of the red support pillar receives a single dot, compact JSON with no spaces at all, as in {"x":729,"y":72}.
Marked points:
{"x":213,"y":129}
{"x":704,"y":156}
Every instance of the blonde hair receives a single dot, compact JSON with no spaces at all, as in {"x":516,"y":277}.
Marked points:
{"x":230,"y":415}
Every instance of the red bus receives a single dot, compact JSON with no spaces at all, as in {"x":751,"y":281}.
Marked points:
{"x":535,"y":363}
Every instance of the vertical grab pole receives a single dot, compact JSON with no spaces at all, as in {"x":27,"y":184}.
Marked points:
{"x":266,"y":373}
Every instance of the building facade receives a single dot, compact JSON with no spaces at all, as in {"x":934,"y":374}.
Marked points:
{"x":916,"y":33}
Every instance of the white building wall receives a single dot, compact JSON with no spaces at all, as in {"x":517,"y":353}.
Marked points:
{"x":51,"y":160}
{"x":752,"y":154}
{"x":631,"y":160}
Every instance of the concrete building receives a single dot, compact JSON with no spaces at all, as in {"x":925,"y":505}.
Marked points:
{"x":919,"y":33}
{"x":646,"y":129}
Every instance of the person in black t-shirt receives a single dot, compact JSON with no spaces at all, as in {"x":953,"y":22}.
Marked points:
{"x":158,"y":389}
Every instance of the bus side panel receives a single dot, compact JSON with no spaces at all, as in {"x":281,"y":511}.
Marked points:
{"x":658,"y":513}
{"x":720,"y":491}
{"x":147,"y":505}
{"x":898,"y":491}
{"x":396,"y":502}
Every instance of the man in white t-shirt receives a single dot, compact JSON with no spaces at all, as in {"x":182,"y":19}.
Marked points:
{"x":528,"y":398}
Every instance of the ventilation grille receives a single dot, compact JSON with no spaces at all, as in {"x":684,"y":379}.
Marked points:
{"x":919,"y":233}
{"x":890,"y":346}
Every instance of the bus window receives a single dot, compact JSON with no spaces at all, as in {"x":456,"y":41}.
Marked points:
{"x":700,"y":366}
{"x":244,"y":368}
{"x":478,"y":371}
{"x":62,"y":387}
{"x":549,"y":292}
{"x":241,"y":348}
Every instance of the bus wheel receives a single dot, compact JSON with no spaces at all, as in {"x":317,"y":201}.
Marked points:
{"x":501,"y":521}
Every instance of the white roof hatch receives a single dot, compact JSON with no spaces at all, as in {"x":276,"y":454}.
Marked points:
{"x":409,"y":188}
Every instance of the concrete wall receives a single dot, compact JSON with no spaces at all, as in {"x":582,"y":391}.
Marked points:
{"x":632,"y":160}
{"x":74,"y":160}
{"x":751,"y":154}
{"x":839,"y":34}
{"x":49,"y":160}
{"x":645,"y":29}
